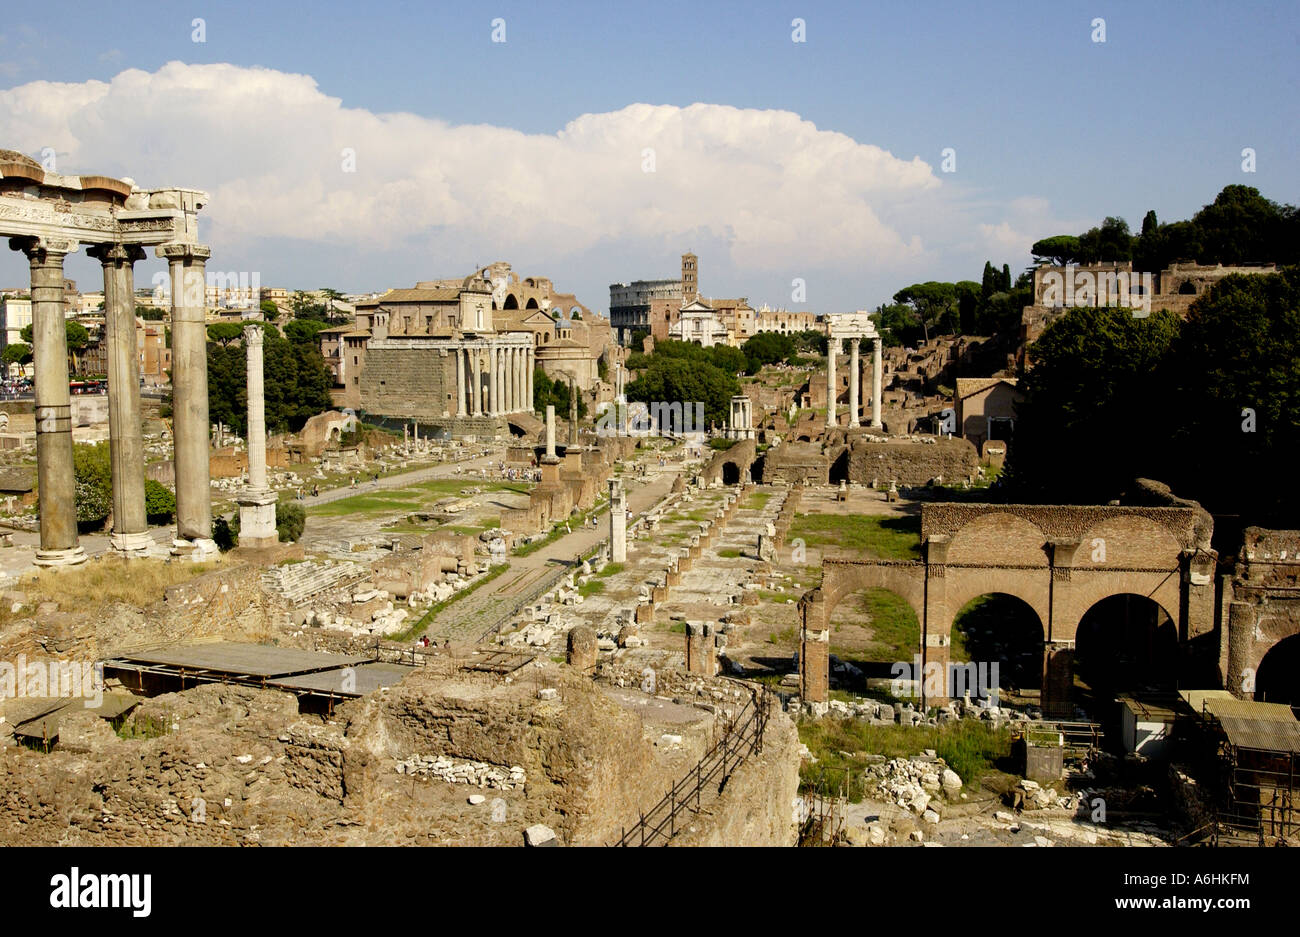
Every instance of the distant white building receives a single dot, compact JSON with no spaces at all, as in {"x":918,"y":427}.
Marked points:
{"x":699,"y":324}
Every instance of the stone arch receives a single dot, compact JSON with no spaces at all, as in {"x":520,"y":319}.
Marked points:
{"x":730,"y":473}
{"x":964,"y":585}
{"x":1004,"y":628}
{"x":1187,"y":288}
{"x":512,"y":302}
{"x":841,"y":578}
{"x":1127,"y":541}
{"x":1018,"y":542}
{"x":1278,"y":677}
{"x":1126,"y":641}
{"x":532,"y":303}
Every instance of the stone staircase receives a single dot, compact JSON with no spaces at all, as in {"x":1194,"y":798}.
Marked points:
{"x":300,"y":581}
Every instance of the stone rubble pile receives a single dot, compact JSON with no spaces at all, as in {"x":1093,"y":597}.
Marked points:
{"x":461,"y":771}
{"x":916,"y":784}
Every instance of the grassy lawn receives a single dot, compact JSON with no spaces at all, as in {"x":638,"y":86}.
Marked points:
{"x":590,"y":588}
{"x":730,"y":553}
{"x":895,"y":632}
{"x":972,"y":749}
{"x":871,"y":535}
{"x":757,"y":501}
{"x":411,"y":498}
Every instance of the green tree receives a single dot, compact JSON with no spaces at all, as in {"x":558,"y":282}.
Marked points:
{"x":303,"y":331}
{"x":159,"y":502}
{"x":270,"y":311}
{"x":290,"y":521}
{"x":150,"y":313}
{"x":1060,"y":249}
{"x":769,"y":348}
{"x":223,"y":333}
{"x":92,"y":471}
{"x":1096,"y":403}
{"x":934,"y":305}
{"x":16,"y":353}
{"x":1111,"y":242}
{"x":1236,"y":370}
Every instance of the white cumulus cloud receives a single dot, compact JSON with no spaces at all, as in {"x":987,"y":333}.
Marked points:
{"x":271,"y":148}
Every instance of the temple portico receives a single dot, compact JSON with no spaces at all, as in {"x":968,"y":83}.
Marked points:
{"x":47,"y":216}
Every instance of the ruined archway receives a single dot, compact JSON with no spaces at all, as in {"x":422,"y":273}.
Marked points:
{"x":1278,"y":679}
{"x":1125,"y":643}
{"x":511,"y":302}
{"x":730,"y":473}
{"x":997,"y":628}
{"x":873,"y":630}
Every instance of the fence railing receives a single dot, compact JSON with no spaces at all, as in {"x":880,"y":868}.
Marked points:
{"x":742,"y":737}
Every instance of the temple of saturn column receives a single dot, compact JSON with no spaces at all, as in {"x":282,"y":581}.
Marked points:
{"x":48,"y":216}
{"x":854,"y":327}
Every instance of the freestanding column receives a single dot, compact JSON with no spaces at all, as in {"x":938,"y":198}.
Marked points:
{"x":190,"y":399}
{"x":617,"y":522}
{"x":550,"y":432}
{"x":257,"y":501}
{"x":530,"y":365}
{"x":831,"y":386}
{"x":58,"y":500}
{"x":876,"y":383}
{"x":854,"y":380}
{"x":460,"y":381}
{"x":573,"y":410}
{"x":130,"y":535}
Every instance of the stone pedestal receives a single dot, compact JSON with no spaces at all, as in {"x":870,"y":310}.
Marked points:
{"x":257,"y":519}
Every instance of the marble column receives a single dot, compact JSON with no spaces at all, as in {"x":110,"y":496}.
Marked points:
{"x":831,"y":386}
{"x":494,"y":382}
{"x":53,"y":408}
{"x":877,"y":381}
{"x":475,"y":384}
{"x":530,"y":364}
{"x":550,"y":433}
{"x":190,"y":430}
{"x":130,"y":536}
{"x":855,"y":381}
{"x":257,"y":501}
{"x":519,"y":381}
{"x":460,"y":382}
{"x":617,"y":522}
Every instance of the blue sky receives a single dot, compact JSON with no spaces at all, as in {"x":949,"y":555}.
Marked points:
{"x":1051,"y":132}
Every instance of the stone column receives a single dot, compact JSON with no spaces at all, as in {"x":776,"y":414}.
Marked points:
{"x":130,"y":535}
{"x":855,"y":381}
{"x":190,"y":399}
{"x":573,"y":410}
{"x":494,"y":382}
{"x":876,"y":382}
{"x":831,"y":386}
{"x":529,"y":366}
{"x":460,"y":382}
{"x":617,"y":522}
{"x":54,"y":474}
{"x":257,"y":501}
{"x":550,"y":432}
{"x":520,"y":405}
{"x":475,"y":382}
{"x":512,"y":378}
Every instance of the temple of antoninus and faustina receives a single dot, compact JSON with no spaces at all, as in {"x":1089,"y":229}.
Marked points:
{"x":48,"y":216}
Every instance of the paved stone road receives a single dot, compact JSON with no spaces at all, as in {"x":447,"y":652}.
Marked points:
{"x":472,"y":616}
